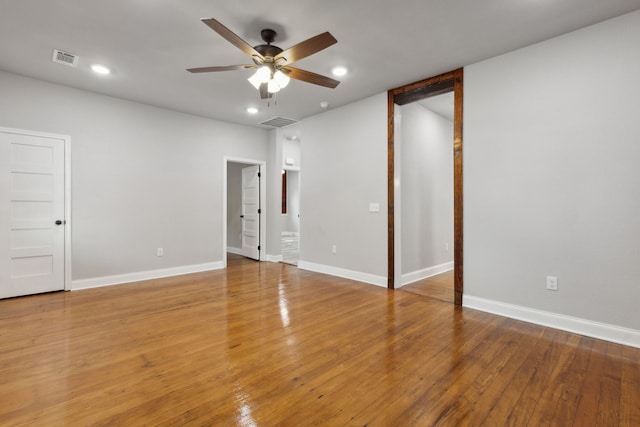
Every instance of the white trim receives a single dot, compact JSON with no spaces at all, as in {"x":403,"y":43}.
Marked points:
{"x":67,"y":194}
{"x":232,"y":250}
{"x":603,"y":331}
{"x":118,"y":279}
{"x":414,"y":276}
{"x":274,"y":258}
{"x":68,"y":281}
{"x":341,"y":272}
{"x":263,"y":204}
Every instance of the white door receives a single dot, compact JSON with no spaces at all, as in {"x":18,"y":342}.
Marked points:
{"x":32,"y":216}
{"x":251,"y":212}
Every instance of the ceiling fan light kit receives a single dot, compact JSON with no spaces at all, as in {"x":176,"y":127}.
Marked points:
{"x":273,"y":64}
{"x":275,"y":80}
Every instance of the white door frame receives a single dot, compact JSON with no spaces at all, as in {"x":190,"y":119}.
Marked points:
{"x":263,"y":204}
{"x":67,"y":193}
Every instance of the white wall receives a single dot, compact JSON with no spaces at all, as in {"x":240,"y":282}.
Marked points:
{"x":552,"y":176}
{"x":290,"y":150}
{"x":274,"y":194}
{"x":344,"y":158}
{"x":426,"y":168}
{"x":142,"y":177}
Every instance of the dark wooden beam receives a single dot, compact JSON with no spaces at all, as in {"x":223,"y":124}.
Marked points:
{"x":420,"y":93}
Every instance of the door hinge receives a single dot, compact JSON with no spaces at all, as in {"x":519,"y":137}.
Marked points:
{"x":259,"y":211}
{"x":258,"y":247}
{"x":259,"y":174}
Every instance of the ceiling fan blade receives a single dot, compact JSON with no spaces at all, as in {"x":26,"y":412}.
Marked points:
{"x":309,"y":77}
{"x":223,"y":68}
{"x":231,"y":37}
{"x":306,"y":48}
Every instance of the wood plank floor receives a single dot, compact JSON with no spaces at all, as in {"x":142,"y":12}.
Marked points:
{"x":264,"y":344}
{"x":439,"y":287}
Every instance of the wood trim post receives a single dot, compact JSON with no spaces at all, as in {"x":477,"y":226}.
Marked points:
{"x":390,"y":192}
{"x":458,"y":225}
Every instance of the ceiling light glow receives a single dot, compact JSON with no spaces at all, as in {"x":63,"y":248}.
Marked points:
{"x":339,"y":71}
{"x":281,"y":78}
{"x":100,"y":69}
{"x":252,"y":110}
{"x":273,"y":86}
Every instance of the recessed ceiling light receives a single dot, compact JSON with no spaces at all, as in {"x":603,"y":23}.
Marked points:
{"x":252,"y":110}
{"x":100,"y":69}
{"x":339,"y":71}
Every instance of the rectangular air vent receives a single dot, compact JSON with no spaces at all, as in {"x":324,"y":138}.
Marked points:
{"x":278,"y":122}
{"x":65,"y":58}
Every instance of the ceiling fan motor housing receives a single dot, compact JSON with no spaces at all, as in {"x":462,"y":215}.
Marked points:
{"x":268,"y":50}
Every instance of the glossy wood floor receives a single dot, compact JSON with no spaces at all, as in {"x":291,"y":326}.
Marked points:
{"x":438,"y":287}
{"x":265,"y":344}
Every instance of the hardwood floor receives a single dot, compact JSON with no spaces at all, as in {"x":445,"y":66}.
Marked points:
{"x":264,"y":344}
{"x":438,"y":287}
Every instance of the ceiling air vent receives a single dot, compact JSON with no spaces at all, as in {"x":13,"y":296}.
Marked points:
{"x":65,"y":58}
{"x":278,"y":122}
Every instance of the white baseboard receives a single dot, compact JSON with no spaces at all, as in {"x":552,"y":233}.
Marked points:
{"x":274,"y":258}
{"x":341,"y":272}
{"x":117,"y":279}
{"x":414,"y":276}
{"x":232,"y":250}
{"x":603,"y":331}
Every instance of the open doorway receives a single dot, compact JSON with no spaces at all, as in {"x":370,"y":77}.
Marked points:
{"x":290,"y":220}
{"x":419,"y":91}
{"x":244,"y":217}
{"x":424,"y":148}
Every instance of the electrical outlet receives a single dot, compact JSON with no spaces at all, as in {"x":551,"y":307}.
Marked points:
{"x":552,"y":283}
{"x":160,"y":252}
{"x":334,"y":249}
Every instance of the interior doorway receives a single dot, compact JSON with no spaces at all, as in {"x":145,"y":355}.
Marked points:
{"x":290,"y":219}
{"x":424,"y":197}
{"x":444,"y":83}
{"x":244,"y":217}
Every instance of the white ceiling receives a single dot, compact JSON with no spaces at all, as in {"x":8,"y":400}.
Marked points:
{"x":384,"y":44}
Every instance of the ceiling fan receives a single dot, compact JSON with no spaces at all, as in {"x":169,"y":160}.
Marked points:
{"x":273,"y":63}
